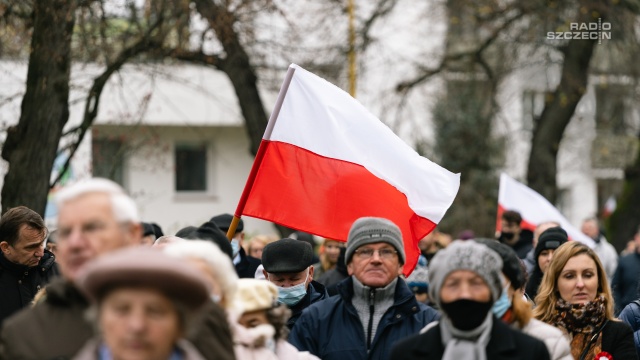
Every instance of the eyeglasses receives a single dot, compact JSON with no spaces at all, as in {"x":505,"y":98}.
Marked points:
{"x":386,"y":254}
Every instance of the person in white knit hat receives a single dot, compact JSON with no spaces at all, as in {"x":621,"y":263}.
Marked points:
{"x":262,"y":326}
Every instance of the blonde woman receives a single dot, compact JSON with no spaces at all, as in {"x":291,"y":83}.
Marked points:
{"x":329,"y":254}
{"x":575,"y":296}
{"x":513,"y":309}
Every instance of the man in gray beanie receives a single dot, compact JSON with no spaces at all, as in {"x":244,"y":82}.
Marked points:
{"x":374,"y":307}
{"x":465,"y":281}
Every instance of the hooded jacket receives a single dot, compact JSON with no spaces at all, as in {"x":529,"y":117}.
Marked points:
{"x":19,"y":283}
{"x":331,"y":329}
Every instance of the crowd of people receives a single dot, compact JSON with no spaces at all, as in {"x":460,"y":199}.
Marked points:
{"x":105,"y":285}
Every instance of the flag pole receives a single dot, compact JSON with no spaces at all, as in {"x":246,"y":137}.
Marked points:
{"x":261,"y":151}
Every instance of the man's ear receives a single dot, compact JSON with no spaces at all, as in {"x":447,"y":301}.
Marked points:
{"x":4,"y":246}
{"x":265,"y":273}
{"x":400,"y":266}
{"x":350,"y":268}
{"x":311,"y":271}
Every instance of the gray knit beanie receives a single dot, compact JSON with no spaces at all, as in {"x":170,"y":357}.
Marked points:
{"x":465,"y":255}
{"x":368,"y":230}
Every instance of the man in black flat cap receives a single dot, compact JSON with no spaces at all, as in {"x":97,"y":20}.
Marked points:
{"x":288,"y":265}
{"x":246,"y":265}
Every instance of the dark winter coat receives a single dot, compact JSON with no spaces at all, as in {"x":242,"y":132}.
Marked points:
{"x":54,"y":328}
{"x":625,"y":280}
{"x":247,"y":266}
{"x":505,"y":344}
{"x":332,"y":330}
{"x":19,"y":283}
{"x":631,"y":315}
{"x":211,"y":335}
{"x":315,"y":293}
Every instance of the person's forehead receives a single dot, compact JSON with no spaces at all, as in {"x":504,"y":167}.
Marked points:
{"x":376,"y":245}
{"x":29,"y":235}
{"x":86,"y":206}
{"x":290,"y":275}
{"x":462,"y":274}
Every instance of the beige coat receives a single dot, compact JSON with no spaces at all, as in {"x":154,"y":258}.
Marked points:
{"x":250,"y":344}
{"x":555,"y":340}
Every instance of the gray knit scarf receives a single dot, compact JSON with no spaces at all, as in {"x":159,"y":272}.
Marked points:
{"x":465,"y":345}
{"x":382,"y":300}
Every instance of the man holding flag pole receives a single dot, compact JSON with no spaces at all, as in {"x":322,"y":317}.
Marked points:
{"x":358,"y":182}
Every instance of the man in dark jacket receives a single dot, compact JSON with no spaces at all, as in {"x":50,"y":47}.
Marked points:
{"x":246,"y":265}
{"x":95,"y":217}
{"x":625,"y":280}
{"x":25,"y":266}
{"x":512,"y":233}
{"x":288,"y":265}
{"x":374,"y":307}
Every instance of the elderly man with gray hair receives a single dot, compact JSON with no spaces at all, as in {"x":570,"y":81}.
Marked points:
{"x":374,"y":307}
{"x":95,"y":217}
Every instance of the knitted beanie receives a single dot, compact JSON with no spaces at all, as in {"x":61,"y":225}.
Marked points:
{"x":551,"y":238}
{"x":368,"y":230}
{"x":512,"y":267}
{"x":465,"y":255}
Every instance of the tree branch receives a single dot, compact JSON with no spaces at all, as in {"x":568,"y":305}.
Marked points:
{"x":145,"y":43}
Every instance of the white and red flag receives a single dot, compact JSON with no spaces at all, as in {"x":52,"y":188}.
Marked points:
{"x":325,"y":161}
{"x":533,"y":208}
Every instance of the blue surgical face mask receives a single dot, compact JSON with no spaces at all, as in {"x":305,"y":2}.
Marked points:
{"x":293,"y":294}
{"x":235,"y":247}
{"x":503,"y":303}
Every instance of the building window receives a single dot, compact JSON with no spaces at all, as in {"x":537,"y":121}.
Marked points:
{"x":612,"y":110}
{"x":191,"y":167}
{"x":108,"y":159}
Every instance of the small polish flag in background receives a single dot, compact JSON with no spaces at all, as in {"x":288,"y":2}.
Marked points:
{"x":609,"y":206}
{"x":326,"y":161}
{"x":533,"y":208}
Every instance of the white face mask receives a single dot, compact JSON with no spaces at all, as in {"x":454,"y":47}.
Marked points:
{"x":293,"y":294}
{"x":235,"y":247}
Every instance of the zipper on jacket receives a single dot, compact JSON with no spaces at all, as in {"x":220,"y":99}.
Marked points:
{"x":372,"y":296}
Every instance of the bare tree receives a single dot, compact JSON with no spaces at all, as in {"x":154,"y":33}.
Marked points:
{"x":32,"y":145}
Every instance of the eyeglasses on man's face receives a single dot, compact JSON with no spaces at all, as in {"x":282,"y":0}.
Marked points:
{"x":367,"y":253}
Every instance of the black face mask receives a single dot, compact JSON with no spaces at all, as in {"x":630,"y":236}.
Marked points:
{"x":508,"y":235}
{"x":466,"y":314}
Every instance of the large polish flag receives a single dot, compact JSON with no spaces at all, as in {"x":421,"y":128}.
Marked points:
{"x":533,"y":208}
{"x":325,"y":161}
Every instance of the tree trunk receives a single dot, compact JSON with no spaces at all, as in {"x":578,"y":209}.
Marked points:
{"x":549,"y":128}
{"x":623,"y":223}
{"x":31,"y":146}
{"x":238,"y":68}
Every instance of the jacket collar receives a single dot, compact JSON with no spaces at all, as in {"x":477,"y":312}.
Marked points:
{"x":315,"y":292}
{"x":404,"y":300}
{"x":46,"y":262}
{"x":62,"y":292}
{"x":501,"y":342}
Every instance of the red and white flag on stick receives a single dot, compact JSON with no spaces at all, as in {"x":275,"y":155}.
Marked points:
{"x":325,"y":161}
{"x":533,"y":208}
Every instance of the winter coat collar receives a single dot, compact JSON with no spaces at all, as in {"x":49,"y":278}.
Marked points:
{"x":404,"y":301}
{"x":46,"y":262}
{"x":62,"y":292}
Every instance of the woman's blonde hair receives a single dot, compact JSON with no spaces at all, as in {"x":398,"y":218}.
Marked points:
{"x":521,"y":309}
{"x":324,"y":261}
{"x":548,"y":292}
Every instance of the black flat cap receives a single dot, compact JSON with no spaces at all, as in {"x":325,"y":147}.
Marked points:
{"x":511,"y":265}
{"x":287,"y":256}
{"x":223,"y":221}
